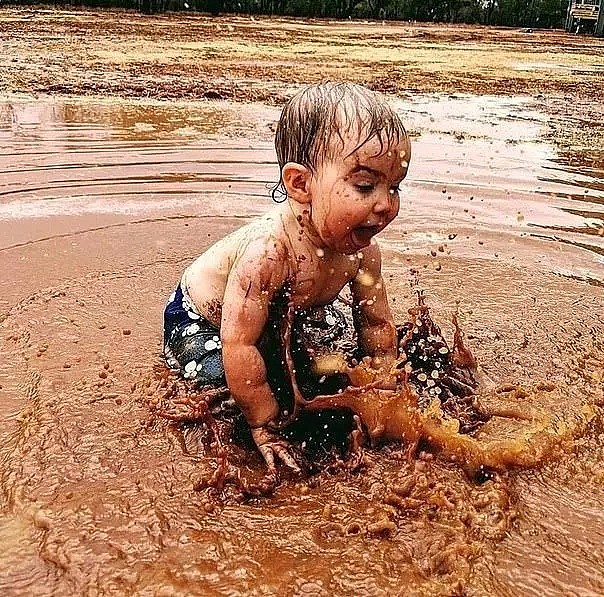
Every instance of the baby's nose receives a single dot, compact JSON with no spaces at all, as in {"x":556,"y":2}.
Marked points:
{"x":383,"y":204}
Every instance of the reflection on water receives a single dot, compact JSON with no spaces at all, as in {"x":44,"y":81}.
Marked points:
{"x":480,"y":170}
{"x":101,"y":205}
{"x":106,"y":160}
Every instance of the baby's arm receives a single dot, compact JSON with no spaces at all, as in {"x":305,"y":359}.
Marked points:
{"x":373,"y":318}
{"x":253,"y":280}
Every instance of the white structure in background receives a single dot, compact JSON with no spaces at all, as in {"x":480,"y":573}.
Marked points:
{"x":585,"y":14}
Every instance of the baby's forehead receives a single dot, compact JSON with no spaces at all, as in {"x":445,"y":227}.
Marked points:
{"x":374,"y":149}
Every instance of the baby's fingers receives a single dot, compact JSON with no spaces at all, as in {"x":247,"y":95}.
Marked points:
{"x":267,"y":453}
{"x":286,"y":458}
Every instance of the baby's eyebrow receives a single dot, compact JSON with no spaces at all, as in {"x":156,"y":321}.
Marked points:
{"x":361,"y":167}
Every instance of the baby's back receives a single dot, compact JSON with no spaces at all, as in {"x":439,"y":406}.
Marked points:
{"x":206,"y":278}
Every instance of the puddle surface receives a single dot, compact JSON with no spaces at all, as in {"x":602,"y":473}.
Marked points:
{"x":102,"y":205}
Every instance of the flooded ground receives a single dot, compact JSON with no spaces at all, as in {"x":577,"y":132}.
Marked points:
{"x":104,"y":200}
{"x":103,"y":204}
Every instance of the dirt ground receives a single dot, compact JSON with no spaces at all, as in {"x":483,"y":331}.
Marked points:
{"x":247,"y":59}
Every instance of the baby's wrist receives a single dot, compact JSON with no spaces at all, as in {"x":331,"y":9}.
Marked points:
{"x":264,"y":418}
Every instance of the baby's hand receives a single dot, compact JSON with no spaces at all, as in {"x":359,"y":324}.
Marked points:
{"x":271,"y":445}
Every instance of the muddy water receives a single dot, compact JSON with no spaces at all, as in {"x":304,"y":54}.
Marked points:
{"x":101,"y":206}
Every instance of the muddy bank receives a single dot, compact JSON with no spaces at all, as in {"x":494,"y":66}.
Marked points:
{"x":128,"y":54}
{"x":123,"y":54}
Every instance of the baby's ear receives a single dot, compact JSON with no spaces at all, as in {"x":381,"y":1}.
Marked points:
{"x":296,"y":180}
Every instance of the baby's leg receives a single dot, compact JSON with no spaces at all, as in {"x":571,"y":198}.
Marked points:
{"x":321,"y":331}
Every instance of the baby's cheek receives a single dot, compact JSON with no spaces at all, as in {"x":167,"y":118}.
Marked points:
{"x":336,"y":212}
{"x":340,"y":198}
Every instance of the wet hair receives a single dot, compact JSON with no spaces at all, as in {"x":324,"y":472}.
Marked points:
{"x":316,"y":118}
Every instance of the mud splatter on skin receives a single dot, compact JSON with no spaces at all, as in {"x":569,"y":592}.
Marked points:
{"x":212,"y":311}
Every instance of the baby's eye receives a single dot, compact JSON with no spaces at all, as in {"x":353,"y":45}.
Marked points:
{"x":364,"y":187}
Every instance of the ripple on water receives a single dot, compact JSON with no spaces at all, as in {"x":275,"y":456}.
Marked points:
{"x":480,"y":170}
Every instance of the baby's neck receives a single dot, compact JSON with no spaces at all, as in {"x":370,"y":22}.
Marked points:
{"x":298,"y":228}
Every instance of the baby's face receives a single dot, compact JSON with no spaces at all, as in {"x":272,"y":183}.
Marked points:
{"x":355,"y":197}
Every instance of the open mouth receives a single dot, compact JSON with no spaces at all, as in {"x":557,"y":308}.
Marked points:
{"x":362,"y":235}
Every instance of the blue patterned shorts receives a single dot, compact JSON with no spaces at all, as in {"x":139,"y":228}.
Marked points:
{"x":191,"y":343}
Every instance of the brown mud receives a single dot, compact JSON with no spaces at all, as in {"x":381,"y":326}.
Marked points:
{"x":96,"y":495}
{"x":104,"y":201}
{"x":441,"y":396}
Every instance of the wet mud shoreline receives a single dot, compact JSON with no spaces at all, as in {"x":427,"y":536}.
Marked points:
{"x":105,"y":200}
{"x":195,"y":57}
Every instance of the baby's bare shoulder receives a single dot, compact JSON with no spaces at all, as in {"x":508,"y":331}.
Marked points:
{"x":371,"y":257}
{"x":262,"y":257}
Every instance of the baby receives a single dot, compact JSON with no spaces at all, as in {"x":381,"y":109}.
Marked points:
{"x":343,"y":153}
